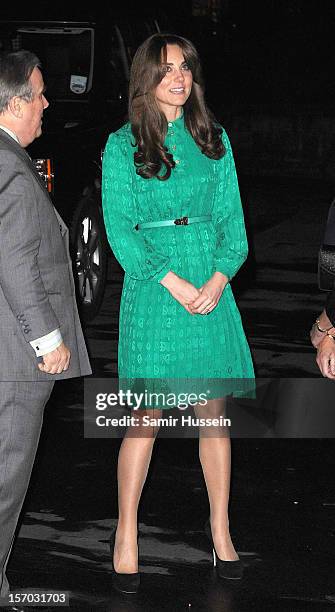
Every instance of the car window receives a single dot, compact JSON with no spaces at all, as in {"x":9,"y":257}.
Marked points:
{"x":66,"y":54}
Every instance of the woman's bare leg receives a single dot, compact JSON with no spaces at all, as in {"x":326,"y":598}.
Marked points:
{"x":215,"y":458}
{"x":133,"y":464}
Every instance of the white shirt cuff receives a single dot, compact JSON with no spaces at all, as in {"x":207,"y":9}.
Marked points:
{"x":47,"y":343}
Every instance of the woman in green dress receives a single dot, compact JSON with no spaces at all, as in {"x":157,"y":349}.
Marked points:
{"x":175,"y":223}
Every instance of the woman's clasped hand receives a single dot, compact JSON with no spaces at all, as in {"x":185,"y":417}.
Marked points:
{"x":195,"y":300}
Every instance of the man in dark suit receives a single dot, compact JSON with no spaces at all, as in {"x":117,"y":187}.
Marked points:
{"x":41,"y":339}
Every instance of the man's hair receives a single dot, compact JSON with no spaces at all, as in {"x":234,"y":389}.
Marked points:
{"x":15,"y":71}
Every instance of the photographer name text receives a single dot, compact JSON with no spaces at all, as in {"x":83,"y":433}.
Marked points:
{"x":170,"y":421}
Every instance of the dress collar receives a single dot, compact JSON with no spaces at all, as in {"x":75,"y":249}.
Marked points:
{"x":178,"y":121}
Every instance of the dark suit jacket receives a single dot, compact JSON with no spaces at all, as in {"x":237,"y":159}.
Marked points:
{"x":37,"y":293}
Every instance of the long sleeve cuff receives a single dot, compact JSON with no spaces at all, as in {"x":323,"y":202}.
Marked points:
{"x":229,"y":267}
{"x":47,"y":343}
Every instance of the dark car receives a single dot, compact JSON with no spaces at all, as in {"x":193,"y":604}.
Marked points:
{"x":86,"y":70}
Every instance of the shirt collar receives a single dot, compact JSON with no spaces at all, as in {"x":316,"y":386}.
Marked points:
{"x":10,"y":133}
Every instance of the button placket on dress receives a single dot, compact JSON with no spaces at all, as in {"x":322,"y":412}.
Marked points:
{"x":173,"y":146}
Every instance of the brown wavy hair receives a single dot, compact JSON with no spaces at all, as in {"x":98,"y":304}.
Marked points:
{"x":148,"y":122}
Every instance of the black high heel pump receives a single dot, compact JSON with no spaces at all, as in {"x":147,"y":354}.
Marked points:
{"x":233,"y":570}
{"x":124,"y":583}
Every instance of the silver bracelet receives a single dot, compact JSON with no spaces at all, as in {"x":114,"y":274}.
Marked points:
{"x":323,"y":331}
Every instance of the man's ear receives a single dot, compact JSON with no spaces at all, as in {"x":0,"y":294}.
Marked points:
{"x":15,"y":107}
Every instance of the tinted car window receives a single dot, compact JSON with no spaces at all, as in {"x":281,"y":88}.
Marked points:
{"x":66,"y":54}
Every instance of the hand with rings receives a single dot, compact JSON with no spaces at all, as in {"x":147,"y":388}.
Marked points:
{"x":210,"y":294}
{"x":202,"y":305}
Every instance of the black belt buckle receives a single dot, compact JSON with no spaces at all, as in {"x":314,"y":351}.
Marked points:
{"x":181,"y":221}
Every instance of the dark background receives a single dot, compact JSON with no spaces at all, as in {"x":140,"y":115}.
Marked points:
{"x":270,"y":52}
{"x":268,"y":69}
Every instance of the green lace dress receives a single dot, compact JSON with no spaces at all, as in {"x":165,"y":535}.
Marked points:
{"x":158,"y":338}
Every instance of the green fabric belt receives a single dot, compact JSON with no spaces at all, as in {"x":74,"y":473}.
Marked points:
{"x":181,"y":221}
